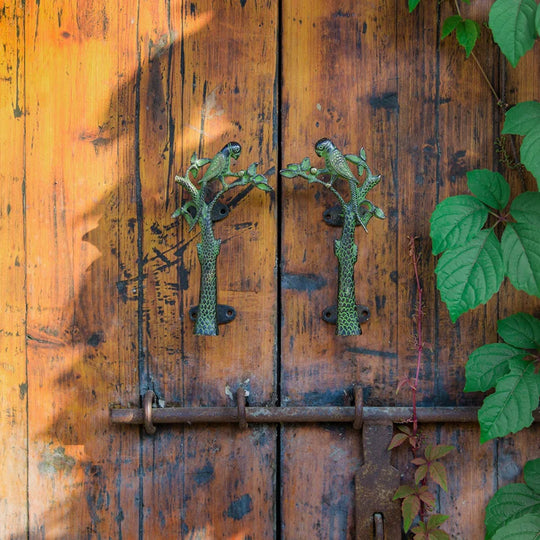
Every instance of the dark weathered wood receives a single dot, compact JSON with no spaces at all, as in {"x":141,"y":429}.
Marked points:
{"x":13,"y":396}
{"x":339,"y":81}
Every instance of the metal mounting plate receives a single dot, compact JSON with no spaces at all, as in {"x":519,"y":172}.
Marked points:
{"x":225,"y":314}
{"x":329,"y":314}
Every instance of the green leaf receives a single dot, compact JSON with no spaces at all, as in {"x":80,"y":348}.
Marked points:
{"x":426,"y":496}
{"x":520,"y":330}
{"x":490,"y":187}
{"x":409,"y":510}
{"x":522,"y":118}
{"x":438,"y":534}
{"x":521,"y":254}
{"x":402,"y":492}
{"x":252,"y":169}
{"x":531,"y":473}
{"x":513,"y":27}
{"x":455,"y":221}
{"x":436,"y":520}
{"x":523,"y":528}
{"x":470,"y":275}
{"x":437,"y":472}
{"x":510,"y":408}
{"x":508,"y":503}
{"x":420,"y":474}
{"x":525,"y":208}
{"x":467,"y":33}
{"x":438,"y":451}
{"x":449,"y":25}
{"x":397,"y":439}
{"x":306,"y":164}
{"x":537,"y":21}
{"x":288,"y":173}
{"x":420,"y":531}
{"x":413,"y":4}
{"x":530,"y":153}
{"x":489,"y":363}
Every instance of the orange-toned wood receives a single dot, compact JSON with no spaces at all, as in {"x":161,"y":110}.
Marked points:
{"x":14,"y":388}
{"x":78,"y":476}
{"x":228,"y":92}
{"x":102,"y":104}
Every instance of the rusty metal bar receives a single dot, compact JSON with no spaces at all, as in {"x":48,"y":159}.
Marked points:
{"x":280,"y":415}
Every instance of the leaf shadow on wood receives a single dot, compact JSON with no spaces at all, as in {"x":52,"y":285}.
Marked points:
{"x":105,"y":478}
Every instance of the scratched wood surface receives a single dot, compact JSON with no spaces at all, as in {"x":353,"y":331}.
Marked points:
{"x":13,"y":395}
{"x":102,"y":104}
{"x":425,"y":117}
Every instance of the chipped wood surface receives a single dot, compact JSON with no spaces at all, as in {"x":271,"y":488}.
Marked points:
{"x":102,"y":104}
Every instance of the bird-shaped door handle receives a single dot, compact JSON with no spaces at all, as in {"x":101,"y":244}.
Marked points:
{"x":199,"y":209}
{"x":358,"y":210}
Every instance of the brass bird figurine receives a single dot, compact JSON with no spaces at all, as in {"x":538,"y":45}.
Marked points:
{"x":220,"y":165}
{"x":334,"y":160}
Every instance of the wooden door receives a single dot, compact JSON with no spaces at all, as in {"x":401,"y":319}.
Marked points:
{"x":103,"y":102}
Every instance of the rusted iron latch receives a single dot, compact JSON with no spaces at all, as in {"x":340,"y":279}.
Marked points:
{"x":376,"y":481}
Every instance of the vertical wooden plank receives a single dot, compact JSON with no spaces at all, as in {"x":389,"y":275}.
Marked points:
{"x":13,"y":398}
{"x":451,"y":101}
{"x":343,"y":86}
{"x":466,"y":123}
{"x":77,"y":363}
{"x":229,"y":94}
{"x":418,"y":160}
{"x":159,"y":41}
{"x":471,"y":480}
{"x":318,"y":468}
{"x":230,"y":69}
{"x":339,"y":81}
{"x":207,"y":76}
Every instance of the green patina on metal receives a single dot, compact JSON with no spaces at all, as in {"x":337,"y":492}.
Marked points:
{"x":198,"y":210}
{"x":357,"y":211}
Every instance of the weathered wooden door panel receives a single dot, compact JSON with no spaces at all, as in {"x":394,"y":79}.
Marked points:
{"x":102,"y":104}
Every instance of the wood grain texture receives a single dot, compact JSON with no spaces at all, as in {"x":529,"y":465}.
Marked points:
{"x":13,"y":395}
{"x":77,"y":334}
{"x":229,"y":94}
{"x":339,"y":81}
{"x":102,"y":104}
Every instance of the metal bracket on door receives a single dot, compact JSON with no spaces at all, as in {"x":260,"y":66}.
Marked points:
{"x":225,"y":314}
{"x":330,"y":314}
{"x":376,"y":515}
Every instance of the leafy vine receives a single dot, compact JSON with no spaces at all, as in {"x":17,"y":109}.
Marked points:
{"x":475,"y":259}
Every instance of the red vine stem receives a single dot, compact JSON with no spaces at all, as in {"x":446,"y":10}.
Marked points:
{"x":419,"y":349}
{"x":419,"y":337}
